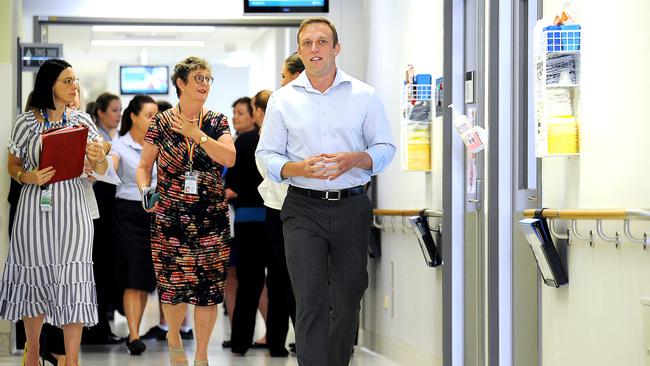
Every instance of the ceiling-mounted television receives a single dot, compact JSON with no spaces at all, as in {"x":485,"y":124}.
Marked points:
{"x":144,"y":80}
{"x":286,"y":6}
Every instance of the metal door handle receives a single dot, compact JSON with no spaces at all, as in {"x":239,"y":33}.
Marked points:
{"x":472,"y":200}
{"x":532,"y":198}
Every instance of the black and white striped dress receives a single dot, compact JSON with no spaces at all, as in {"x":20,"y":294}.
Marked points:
{"x":49,"y":268}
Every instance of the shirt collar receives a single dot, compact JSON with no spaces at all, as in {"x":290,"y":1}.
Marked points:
{"x":303,"y":81}
{"x":129,"y":141}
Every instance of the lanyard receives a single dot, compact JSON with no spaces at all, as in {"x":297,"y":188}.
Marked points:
{"x":47,"y":122}
{"x":191,"y":146}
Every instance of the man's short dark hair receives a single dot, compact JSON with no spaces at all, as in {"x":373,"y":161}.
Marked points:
{"x":45,"y":78}
{"x":261,"y":99}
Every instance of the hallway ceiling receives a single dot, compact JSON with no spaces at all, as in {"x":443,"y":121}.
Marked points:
{"x":219,"y":43}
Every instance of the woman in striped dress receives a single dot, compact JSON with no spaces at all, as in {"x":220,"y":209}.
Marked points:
{"x":48,"y":274}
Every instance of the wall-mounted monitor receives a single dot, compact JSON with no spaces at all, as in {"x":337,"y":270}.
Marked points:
{"x":286,"y":6}
{"x":144,"y":80}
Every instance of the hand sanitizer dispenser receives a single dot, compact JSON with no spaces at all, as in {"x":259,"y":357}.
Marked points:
{"x":474,"y":137}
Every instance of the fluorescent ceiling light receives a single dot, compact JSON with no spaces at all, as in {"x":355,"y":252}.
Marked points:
{"x":154,"y":28}
{"x":145,"y":42}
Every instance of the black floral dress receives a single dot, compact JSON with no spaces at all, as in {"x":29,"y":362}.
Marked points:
{"x":190,"y":234}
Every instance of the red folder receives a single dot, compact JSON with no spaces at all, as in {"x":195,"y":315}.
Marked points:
{"x":64,"y":149}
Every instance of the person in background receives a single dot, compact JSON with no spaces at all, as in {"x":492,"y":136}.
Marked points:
{"x":282,"y":304}
{"x":52,"y":223}
{"x":242,"y":122}
{"x":251,"y":238}
{"x":90,"y":110}
{"x":326,"y":134}
{"x":107,"y":113}
{"x":291,"y":68}
{"x":190,"y":236}
{"x":159,"y":331}
{"x":132,"y":224}
{"x":274,"y":194}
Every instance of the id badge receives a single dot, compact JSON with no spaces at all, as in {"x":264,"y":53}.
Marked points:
{"x":191,"y":179}
{"x":46,"y":200}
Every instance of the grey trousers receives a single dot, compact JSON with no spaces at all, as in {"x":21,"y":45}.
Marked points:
{"x":326,"y":244}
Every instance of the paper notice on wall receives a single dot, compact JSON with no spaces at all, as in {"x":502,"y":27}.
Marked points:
{"x":563,"y":135}
{"x":418,"y":146}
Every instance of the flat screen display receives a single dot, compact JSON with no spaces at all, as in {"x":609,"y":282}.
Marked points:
{"x":144,"y":80}
{"x":286,"y":6}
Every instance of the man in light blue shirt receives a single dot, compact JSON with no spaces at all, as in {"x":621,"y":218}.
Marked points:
{"x":325,"y":134}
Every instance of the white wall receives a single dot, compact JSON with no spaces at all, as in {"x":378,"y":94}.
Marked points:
{"x":400,"y":33}
{"x":267,"y":56}
{"x":596,"y":319}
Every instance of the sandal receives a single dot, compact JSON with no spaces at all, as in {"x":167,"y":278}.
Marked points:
{"x":177,"y":355}
{"x":25,"y":355}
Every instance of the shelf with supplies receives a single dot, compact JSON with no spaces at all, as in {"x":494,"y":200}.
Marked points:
{"x":416,"y":116}
{"x":557,"y":89}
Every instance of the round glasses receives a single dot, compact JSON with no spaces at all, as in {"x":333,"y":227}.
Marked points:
{"x":200,"y":79}
{"x":70,"y":81}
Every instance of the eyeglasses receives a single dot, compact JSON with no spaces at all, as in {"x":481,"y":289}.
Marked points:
{"x":200,"y":78}
{"x":69,"y":81}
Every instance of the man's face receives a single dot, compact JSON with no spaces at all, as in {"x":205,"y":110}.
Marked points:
{"x":317,"y":50}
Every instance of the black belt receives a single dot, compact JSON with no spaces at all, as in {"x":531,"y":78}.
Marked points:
{"x":330,"y":195}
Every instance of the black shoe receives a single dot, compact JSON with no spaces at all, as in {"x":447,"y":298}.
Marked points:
{"x":225,"y":344}
{"x":237,"y":352}
{"x":187,"y":335}
{"x":292,"y":347}
{"x":136,"y":347}
{"x":282,"y":352}
{"x":47,"y":356}
{"x":155,"y":332}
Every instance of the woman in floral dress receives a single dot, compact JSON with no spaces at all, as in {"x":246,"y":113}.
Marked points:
{"x":190,"y":229}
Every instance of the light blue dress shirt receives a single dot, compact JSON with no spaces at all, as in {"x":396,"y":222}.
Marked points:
{"x":301,"y":122}
{"x":130,"y":153}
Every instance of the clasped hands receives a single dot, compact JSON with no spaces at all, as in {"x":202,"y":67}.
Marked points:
{"x":330,"y":166}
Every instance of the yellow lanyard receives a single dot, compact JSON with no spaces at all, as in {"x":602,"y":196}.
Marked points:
{"x":191,"y":146}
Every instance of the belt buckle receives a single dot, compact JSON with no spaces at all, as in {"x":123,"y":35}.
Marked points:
{"x":329,"y":198}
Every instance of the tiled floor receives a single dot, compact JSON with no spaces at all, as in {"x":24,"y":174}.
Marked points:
{"x":117,"y":355}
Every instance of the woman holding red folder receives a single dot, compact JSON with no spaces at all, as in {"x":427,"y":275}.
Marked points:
{"x":190,"y":229}
{"x":48,"y":273}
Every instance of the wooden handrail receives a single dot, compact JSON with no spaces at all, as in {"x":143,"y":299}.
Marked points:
{"x":407,"y":212}
{"x":592,"y":214}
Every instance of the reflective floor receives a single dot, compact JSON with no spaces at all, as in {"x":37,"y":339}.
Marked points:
{"x":156,"y":354}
